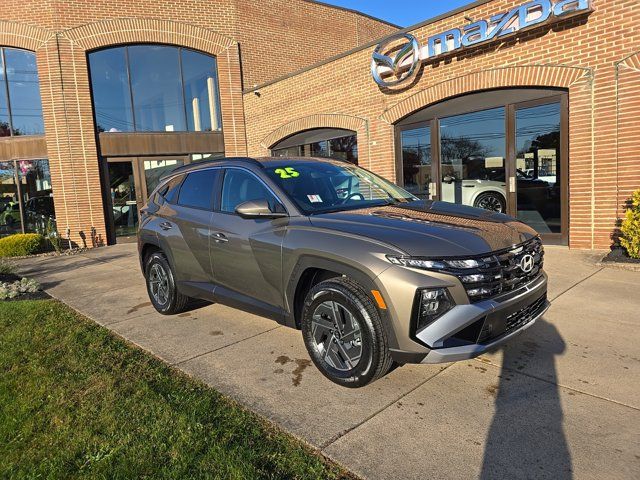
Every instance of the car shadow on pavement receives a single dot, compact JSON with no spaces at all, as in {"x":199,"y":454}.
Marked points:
{"x":526,"y":438}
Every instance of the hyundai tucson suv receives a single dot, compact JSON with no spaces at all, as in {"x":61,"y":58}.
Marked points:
{"x":371,"y":275}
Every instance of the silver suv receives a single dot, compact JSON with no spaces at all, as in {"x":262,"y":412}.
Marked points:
{"x":372,"y":275}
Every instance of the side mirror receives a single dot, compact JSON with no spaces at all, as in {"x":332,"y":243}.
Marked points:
{"x":257,"y":209}
{"x":448,"y":179}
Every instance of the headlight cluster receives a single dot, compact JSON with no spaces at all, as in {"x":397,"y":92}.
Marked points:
{"x":417,"y":262}
{"x":432,"y":304}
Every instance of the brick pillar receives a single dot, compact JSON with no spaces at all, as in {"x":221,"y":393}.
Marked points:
{"x":231,"y":101}
{"x":71,"y":143}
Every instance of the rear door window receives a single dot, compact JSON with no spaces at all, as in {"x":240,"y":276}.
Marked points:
{"x":197,"y":190}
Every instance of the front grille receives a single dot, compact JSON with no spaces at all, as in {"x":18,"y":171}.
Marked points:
{"x":502,"y":272}
{"x":525,"y":315}
{"x":495,"y":326}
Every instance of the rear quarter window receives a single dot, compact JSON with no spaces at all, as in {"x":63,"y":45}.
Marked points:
{"x":169,"y":191}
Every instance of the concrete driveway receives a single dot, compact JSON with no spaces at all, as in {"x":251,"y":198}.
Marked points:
{"x":561,"y":401}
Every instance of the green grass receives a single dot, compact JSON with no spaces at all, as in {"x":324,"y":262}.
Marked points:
{"x":77,"y":402}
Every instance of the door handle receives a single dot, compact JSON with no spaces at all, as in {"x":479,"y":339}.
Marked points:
{"x":219,"y":237}
{"x":166,"y":226}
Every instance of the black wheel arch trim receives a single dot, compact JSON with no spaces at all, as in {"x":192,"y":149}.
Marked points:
{"x":307,"y":262}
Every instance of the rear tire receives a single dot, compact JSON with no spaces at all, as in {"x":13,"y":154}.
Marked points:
{"x":343,"y":333}
{"x":161,"y":286}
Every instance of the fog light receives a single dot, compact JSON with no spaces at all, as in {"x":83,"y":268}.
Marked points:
{"x":433,"y":303}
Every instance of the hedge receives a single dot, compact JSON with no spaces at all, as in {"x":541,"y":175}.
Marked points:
{"x":631,"y":227}
{"x":21,"y":244}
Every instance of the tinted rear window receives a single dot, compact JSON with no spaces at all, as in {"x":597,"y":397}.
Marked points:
{"x":197,"y":190}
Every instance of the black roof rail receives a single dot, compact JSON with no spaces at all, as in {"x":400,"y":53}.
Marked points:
{"x":214,"y":161}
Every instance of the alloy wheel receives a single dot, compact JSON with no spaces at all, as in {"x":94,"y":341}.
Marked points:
{"x":491,"y":202}
{"x":337,"y":335}
{"x":159,"y":283}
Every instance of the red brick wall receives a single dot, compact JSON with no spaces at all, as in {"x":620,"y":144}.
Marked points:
{"x":61,"y":32}
{"x":578,"y":55}
{"x":628,"y":126}
{"x":303,"y":33}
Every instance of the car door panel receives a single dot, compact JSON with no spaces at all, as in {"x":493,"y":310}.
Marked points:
{"x":186,"y":231}
{"x":247,"y":253}
{"x":249,"y":258}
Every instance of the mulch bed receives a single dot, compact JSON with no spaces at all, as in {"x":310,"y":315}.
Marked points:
{"x":619,"y":256}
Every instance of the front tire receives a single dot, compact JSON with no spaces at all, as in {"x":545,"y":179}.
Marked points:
{"x":343,"y":333}
{"x":161,"y":286}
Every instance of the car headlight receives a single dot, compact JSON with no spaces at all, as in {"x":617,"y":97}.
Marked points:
{"x":432,"y":303}
{"x":427,"y":264}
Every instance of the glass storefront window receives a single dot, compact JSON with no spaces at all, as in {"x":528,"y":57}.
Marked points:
{"x":111,"y":94}
{"x":5,"y":126}
{"x":37,"y":195}
{"x":344,"y":148}
{"x":20,"y":103}
{"x":416,"y":161}
{"x":201,"y":91}
{"x":201,"y":157}
{"x":154,"y":170}
{"x":538,"y":167}
{"x":473,"y":154}
{"x":154,"y":88}
{"x":10,"y":219}
{"x":340,"y":148}
{"x":26,"y":197}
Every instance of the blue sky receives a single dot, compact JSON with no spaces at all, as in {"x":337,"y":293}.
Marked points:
{"x":401,"y":12}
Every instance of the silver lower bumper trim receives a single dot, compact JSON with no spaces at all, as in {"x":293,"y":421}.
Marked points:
{"x":455,"y":354}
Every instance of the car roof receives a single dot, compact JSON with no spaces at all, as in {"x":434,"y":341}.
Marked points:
{"x":261,"y":162}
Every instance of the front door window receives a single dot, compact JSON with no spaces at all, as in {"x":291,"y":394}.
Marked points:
{"x":472,"y":152}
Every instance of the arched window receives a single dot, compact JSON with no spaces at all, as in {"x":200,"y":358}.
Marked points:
{"x":320,"y":142}
{"x":20,"y":104}
{"x":154,"y":88}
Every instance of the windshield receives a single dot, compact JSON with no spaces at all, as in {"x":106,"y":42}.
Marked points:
{"x":321,"y":187}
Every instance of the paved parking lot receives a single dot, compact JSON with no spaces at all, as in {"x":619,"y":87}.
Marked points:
{"x":560,"y":401}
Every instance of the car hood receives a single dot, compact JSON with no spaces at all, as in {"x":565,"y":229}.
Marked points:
{"x":433,"y":229}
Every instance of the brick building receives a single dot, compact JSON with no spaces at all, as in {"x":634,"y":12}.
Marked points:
{"x":527,"y":107}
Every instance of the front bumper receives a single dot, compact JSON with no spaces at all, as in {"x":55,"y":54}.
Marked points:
{"x":497,"y":322}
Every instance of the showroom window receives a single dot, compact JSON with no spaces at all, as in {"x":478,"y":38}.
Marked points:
{"x":26,"y":198}
{"x":20,"y":104}
{"x":501,"y":150}
{"x":154,"y":88}
{"x":325,"y":143}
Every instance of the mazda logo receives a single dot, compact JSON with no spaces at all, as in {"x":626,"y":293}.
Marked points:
{"x":401,"y":65}
{"x":527,"y":263}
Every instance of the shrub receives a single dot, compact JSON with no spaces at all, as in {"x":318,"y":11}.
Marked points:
{"x":21,"y":244}
{"x":630,"y":229}
{"x":6,"y":268}
{"x":17,"y":288}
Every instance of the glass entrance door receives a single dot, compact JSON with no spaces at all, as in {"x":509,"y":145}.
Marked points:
{"x":131,"y":181}
{"x":511,"y":158}
{"x":539,"y":189}
{"x":472,"y":159}
{"x":124,"y":198}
